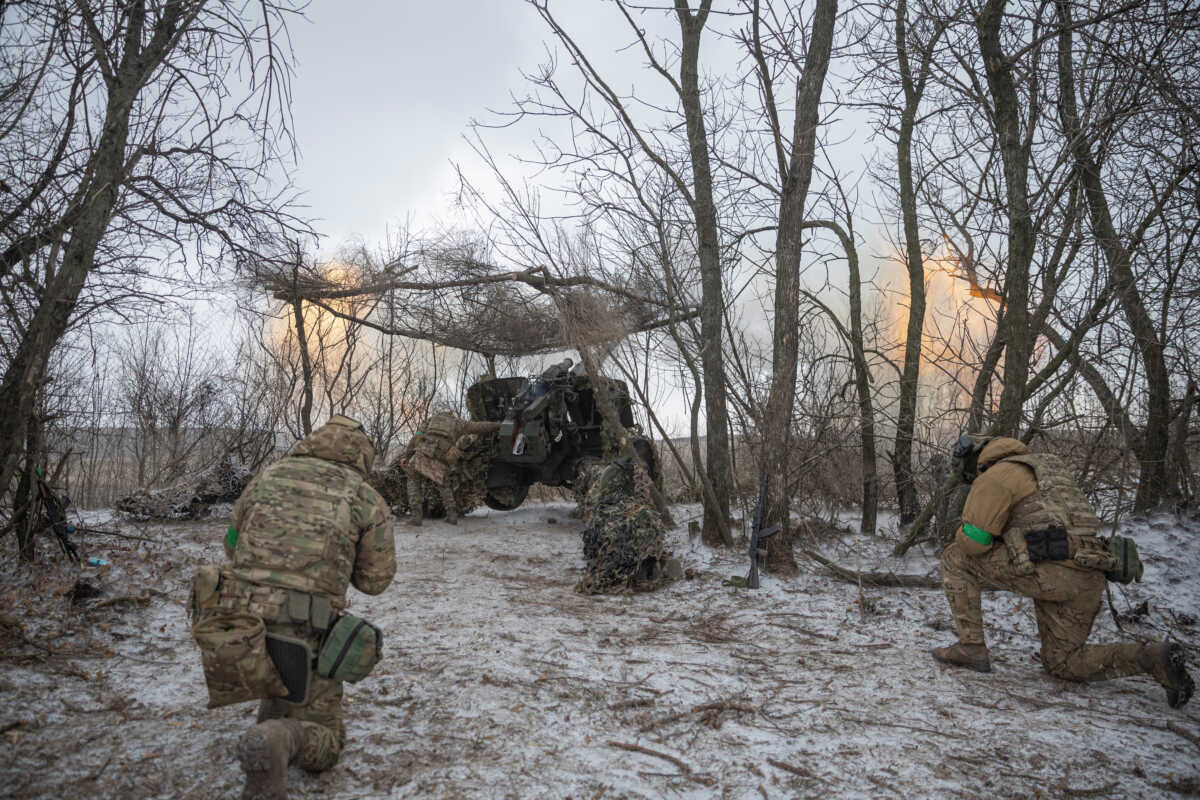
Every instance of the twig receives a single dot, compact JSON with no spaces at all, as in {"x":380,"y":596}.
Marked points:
{"x":792,"y":768}
{"x":637,"y":748}
{"x":1099,"y":790}
{"x":716,"y":705}
{"x":873,"y":578}
{"x":634,"y":702}
{"x":100,"y":771}
{"x":1184,"y":732}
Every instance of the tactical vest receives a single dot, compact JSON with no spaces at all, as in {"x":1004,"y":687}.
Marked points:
{"x":1058,"y":500}
{"x":298,"y":531}
{"x":437,"y":434}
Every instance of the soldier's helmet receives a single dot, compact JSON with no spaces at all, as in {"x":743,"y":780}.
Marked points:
{"x":967,"y":450}
{"x":341,"y":439}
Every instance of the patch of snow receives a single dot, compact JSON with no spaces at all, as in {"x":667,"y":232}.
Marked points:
{"x":499,"y":681}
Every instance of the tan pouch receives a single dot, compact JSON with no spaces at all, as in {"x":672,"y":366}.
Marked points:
{"x":204,"y":590}
{"x":1090,"y":553}
{"x":233,"y":649}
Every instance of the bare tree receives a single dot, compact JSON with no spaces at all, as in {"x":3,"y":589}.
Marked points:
{"x":122,"y":147}
{"x":794,"y":155}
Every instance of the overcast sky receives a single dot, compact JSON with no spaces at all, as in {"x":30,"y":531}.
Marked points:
{"x":383,"y":93}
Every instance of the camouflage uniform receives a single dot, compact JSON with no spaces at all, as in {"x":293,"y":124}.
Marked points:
{"x":437,"y":449}
{"x":308,"y":525}
{"x":1016,"y":494}
{"x":623,"y":540}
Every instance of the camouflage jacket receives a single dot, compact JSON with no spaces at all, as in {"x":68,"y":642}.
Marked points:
{"x":1019,"y":492}
{"x":311,"y":522}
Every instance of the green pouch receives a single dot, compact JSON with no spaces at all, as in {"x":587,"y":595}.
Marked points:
{"x":233,"y":649}
{"x":351,"y":649}
{"x":1129,"y":566}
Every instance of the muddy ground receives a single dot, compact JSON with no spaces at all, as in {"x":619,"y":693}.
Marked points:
{"x":499,"y":681}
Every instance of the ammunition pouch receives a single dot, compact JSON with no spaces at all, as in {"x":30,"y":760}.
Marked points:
{"x":293,"y":659}
{"x":312,"y":609}
{"x":351,"y":649}
{"x":233,"y":650}
{"x":1049,"y":544}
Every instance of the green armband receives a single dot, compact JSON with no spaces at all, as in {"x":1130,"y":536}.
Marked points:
{"x":231,"y":538}
{"x":976,"y":534}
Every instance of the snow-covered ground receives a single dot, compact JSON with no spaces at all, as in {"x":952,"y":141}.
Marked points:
{"x":499,"y":681}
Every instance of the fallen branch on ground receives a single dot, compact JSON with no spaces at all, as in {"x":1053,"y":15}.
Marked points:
{"x":873,"y":578}
{"x":710,"y":711}
{"x":803,"y":772}
{"x":1184,"y":732}
{"x":637,"y":748}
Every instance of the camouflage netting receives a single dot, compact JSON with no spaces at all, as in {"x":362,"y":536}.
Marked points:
{"x":221,"y":483}
{"x":623,"y":541}
{"x":468,"y":479}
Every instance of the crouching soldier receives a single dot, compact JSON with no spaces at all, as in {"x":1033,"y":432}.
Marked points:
{"x":437,"y":449}
{"x":1031,"y":506}
{"x":304,"y":528}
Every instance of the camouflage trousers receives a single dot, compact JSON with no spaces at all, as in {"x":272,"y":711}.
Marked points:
{"x":324,"y":733}
{"x":1066,"y":601}
{"x":417,"y":487}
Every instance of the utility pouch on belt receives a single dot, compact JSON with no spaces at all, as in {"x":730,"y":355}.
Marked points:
{"x":293,"y":659}
{"x":233,"y":649}
{"x":351,"y":649}
{"x":1049,"y":544}
{"x":1018,"y":553}
{"x":1128,"y":566}
{"x":204,"y":590}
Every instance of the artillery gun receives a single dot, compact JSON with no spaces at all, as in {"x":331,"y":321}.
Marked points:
{"x":549,"y":426}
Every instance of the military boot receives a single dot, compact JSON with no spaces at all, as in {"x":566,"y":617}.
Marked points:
{"x":971,"y":656}
{"x":1164,"y":661}
{"x":265,"y":752}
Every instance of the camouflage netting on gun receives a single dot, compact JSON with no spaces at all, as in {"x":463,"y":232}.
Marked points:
{"x":392,"y":484}
{"x":468,"y":481}
{"x":623,"y":541}
{"x":221,"y":483}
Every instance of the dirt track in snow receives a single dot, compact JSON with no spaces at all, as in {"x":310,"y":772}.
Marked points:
{"x":500,"y":681}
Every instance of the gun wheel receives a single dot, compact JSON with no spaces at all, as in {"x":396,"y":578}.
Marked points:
{"x":505,"y":498}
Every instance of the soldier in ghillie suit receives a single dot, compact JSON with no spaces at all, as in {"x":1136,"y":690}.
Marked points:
{"x":304,"y":528}
{"x":1031,"y":504}
{"x":623,"y":540}
{"x":437,"y":462}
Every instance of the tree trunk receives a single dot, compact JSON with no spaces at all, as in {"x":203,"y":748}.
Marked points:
{"x":26,"y":502}
{"x":777,"y":420}
{"x":902,"y":455}
{"x":306,"y":367}
{"x":1014,"y":152}
{"x":717,"y":463}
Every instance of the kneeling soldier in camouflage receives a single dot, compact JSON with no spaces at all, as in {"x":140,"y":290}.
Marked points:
{"x":1051,"y":553}
{"x":304,"y":528}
